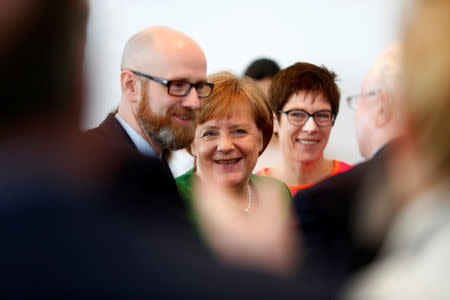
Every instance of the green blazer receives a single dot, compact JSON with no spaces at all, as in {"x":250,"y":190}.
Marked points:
{"x":184,"y":183}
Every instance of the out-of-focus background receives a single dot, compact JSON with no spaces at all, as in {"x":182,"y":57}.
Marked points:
{"x":344,"y":35}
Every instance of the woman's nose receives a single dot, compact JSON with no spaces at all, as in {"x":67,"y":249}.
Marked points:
{"x":310,"y":126}
{"x":225,"y":143}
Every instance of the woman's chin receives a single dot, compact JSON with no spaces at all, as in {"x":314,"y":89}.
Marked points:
{"x":305,"y":158}
{"x":232,"y":182}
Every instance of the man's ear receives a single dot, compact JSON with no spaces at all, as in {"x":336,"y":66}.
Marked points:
{"x":129,"y":85}
{"x":383,"y":109}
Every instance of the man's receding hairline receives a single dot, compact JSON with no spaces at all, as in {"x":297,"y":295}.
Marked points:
{"x":149,"y":40}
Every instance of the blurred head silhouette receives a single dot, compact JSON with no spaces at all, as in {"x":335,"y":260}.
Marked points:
{"x":376,"y":119}
{"x":262,"y":70}
{"x":41,"y":50}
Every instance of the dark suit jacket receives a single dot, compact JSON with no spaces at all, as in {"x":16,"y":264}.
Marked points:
{"x":111,"y":131}
{"x":113,"y":137}
{"x":326,"y":213}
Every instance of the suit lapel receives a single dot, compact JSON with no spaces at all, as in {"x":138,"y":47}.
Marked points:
{"x":113,"y":130}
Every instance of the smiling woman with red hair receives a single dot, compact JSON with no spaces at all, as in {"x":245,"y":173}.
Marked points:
{"x":233,"y":128}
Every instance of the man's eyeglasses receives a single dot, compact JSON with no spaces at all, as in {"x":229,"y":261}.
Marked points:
{"x":180,"y":88}
{"x":353,"y":100}
{"x":299,"y":117}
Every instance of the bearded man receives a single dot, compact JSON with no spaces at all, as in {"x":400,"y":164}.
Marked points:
{"x":163,"y":80}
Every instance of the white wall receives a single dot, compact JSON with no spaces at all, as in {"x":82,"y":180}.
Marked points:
{"x":344,"y":35}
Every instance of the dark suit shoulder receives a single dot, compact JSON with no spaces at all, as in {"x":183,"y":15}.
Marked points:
{"x":343,"y":180}
{"x":350,"y":180}
{"x":111,"y":133}
{"x":331,"y":200}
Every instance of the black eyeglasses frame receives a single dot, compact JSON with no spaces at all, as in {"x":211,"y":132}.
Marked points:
{"x":168,"y":84}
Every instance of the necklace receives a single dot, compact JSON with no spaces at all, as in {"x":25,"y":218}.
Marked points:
{"x":249,"y":198}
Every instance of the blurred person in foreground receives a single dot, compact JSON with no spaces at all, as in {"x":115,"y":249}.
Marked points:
{"x":72,"y":209}
{"x":327,"y":210}
{"x":263,"y":70}
{"x":305,"y":100}
{"x":415,"y":261}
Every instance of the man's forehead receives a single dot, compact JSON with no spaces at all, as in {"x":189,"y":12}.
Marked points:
{"x":190,"y":68}
{"x":166,"y":53}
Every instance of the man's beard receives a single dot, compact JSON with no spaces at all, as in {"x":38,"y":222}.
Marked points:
{"x":162,"y":129}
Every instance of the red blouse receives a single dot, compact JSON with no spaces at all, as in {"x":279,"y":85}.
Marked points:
{"x":338,"y":167}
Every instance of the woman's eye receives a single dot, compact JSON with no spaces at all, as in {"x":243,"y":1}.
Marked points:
{"x":240,"y":131}
{"x":324,"y":115}
{"x":298,"y":115}
{"x":209,"y":134}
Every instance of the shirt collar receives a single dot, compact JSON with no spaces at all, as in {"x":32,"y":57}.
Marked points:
{"x":141,"y":144}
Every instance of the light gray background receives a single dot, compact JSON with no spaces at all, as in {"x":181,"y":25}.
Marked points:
{"x":344,"y":35}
